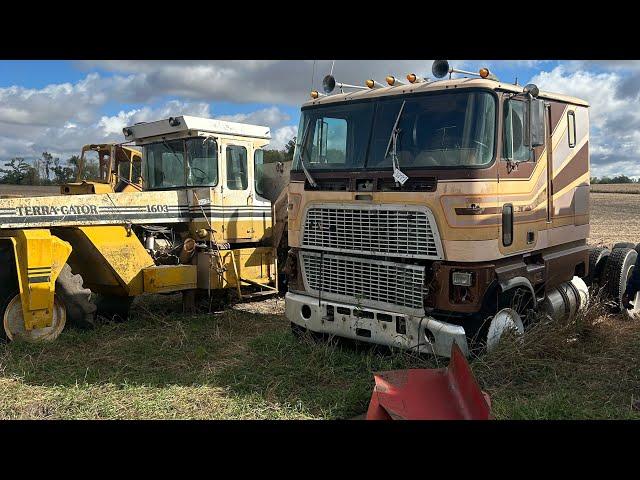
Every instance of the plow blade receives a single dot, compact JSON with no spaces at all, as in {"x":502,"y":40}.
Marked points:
{"x":450,"y":393}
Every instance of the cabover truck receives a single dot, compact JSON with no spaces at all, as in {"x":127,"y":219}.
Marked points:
{"x":200,"y":225}
{"x":431,"y":211}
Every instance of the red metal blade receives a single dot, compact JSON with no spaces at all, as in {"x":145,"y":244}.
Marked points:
{"x":450,"y":393}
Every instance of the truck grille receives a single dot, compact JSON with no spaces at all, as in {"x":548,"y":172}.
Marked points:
{"x":389,"y":230}
{"x":376,"y":283}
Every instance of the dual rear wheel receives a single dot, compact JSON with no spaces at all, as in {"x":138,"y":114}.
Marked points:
{"x":610,"y":272}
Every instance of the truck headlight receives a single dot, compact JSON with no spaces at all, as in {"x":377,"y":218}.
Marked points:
{"x":463,"y":279}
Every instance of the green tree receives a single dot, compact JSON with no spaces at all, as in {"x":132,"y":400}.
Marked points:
{"x":63,"y":173}
{"x":19,"y":172}
{"x":46,"y":162}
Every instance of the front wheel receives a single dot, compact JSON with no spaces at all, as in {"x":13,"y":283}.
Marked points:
{"x":13,"y":321}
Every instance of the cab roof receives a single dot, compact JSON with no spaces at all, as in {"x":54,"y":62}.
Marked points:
{"x":193,"y":126}
{"x":429,"y":86}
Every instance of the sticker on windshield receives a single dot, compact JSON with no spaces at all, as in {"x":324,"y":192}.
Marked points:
{"x":398,"y":176}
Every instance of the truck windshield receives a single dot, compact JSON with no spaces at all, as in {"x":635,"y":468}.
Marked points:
{"x":437,"y":130}
{"x":165,"y":165}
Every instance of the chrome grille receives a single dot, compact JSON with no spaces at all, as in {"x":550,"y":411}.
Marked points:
{"x":390,"y":230}
{"x":376,"y":283}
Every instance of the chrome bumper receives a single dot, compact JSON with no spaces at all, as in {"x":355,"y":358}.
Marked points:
{"x":375,"y":326}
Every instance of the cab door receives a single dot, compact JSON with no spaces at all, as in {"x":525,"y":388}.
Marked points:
{"x":522,"y":182}
{"x":237,"y":191}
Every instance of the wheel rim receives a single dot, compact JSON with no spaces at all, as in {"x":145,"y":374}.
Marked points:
{"x":505,"y":320}
{"x":13,"y":323}
{"x":634,"y":312}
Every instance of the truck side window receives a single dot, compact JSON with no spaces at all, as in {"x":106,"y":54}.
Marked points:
{"x":334,"y":151}
{"x":571,"y":120}
{"x":236,"y":167}
{"x":258,"y":170}
{"x":513,"y":145}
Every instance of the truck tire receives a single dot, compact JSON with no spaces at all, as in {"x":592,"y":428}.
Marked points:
{"x":616,"y":274}
{"x":113,"y":308}
{"x":637,"y":248}
{"x":624,"y":245}
{"x":597,"y":261}
{"x":81,"y":310}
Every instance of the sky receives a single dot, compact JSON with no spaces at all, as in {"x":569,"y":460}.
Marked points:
{"x":58,"y":106}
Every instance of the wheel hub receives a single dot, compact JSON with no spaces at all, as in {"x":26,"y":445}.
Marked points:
{"x":13,"y":322}
{"x":504,"y":321}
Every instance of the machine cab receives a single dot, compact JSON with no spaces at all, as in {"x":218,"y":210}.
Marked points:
{"x":106,"y":168}
{"x":217,"y":165}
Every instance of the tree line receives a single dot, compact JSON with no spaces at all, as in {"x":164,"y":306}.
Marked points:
{"x":616,"y":179}
{"x":46,"y":170}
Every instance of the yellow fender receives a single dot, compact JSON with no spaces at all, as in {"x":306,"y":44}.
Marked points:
{"x":39,"y":258}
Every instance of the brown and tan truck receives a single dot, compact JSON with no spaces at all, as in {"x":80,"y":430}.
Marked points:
{"x":431,"y":211}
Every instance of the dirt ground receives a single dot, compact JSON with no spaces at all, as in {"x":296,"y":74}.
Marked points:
{"x":616,"y":188}
{"x":28,"y":190}
{"x":615,"y":217}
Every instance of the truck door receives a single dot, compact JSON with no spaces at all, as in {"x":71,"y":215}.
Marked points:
{"x":237,"y":193}
{"x":522,"y":183}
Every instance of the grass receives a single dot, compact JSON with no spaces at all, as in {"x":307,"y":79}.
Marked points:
{"x":584,"y":369}
{"x":160,"y":364}
{"x":244,"y":365}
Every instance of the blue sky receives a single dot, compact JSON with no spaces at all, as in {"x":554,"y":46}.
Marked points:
{"x":59,"y":105}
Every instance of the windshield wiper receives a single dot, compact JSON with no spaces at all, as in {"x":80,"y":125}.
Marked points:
{"x":398,"y":176}
{"x":307,"y":174}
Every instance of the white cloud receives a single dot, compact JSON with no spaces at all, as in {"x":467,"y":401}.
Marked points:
{"x":281,"y":136}
{"x":262,"y":81}
{"x":271,"y":116}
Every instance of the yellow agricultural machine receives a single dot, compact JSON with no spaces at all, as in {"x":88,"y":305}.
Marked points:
{"x":106,"y":167}
{"x":199,"y":224}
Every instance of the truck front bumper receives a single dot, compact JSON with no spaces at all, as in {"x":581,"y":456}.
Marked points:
{"x":422,"y":334}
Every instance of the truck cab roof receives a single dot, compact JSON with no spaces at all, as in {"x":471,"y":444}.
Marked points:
{"x":436,"y":85}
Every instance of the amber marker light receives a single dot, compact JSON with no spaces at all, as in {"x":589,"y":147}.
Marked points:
{"x":391,"y":80}
{"x":412,"y":77}
{"x":370,"y":83}
{"x":484,"y":72}
{"x":314,"y":94}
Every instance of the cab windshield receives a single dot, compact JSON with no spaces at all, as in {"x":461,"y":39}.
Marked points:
{"x":436,"y":130}
{"x":165,"y":165}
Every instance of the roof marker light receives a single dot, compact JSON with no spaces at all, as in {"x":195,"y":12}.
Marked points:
{"x":393,"y":81}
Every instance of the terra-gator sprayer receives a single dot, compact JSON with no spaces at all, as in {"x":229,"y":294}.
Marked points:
{"x":431,"y":211}
{"x":200,"y":224}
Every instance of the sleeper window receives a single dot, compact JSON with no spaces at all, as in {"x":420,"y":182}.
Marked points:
{"x":571,"y":120}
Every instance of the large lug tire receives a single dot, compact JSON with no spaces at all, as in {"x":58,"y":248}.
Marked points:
{"x":597,"y":261}
{"x":113,"y":308}
{"x":616,"y":273}
{"x":81,"y":310}
{"x":13,"y":321}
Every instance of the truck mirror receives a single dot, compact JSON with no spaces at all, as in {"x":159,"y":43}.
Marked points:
{"x":534,"y":123}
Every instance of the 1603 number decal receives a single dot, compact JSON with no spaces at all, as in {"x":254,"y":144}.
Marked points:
{"x":157,"y":208}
